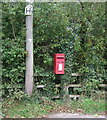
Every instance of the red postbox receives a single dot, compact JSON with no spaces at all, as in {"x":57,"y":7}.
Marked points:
{"x":59,"y":60}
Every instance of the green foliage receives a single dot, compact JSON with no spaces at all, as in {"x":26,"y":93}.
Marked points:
{"x":86,"y":54}
{"x":49,"y":33}
{"x":13,"y":64}
{"x":13,"y":47}
{"x":78,"y":30}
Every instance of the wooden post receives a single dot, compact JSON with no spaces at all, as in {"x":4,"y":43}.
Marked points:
{"x":29,"y":48}
{"x":64,"y":95}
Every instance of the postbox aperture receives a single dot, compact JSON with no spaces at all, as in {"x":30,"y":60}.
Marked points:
{"x":59,"y":61}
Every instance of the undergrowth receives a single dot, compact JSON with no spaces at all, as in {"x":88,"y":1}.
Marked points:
{"x":33,"y":108}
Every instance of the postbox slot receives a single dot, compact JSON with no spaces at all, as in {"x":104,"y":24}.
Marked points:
{"x":60,"y":62}
{"x":61,"y":57}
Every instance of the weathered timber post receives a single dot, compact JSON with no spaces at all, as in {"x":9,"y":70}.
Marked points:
{"x":64,"y":95}
{"x":29,"y":48}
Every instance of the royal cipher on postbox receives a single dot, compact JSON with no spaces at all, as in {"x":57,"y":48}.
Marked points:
{"x":59,"y":61}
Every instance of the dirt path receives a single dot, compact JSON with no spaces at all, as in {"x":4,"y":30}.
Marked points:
{"x":76,"y":115}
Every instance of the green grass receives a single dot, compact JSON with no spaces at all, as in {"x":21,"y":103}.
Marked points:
{"x":37,"y":109}
{"x":89,"y":106}
{"x":27,"y":110}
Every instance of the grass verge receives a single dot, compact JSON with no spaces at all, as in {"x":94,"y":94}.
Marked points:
{"x":89,"y":106}
{"x":36,"y":109}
